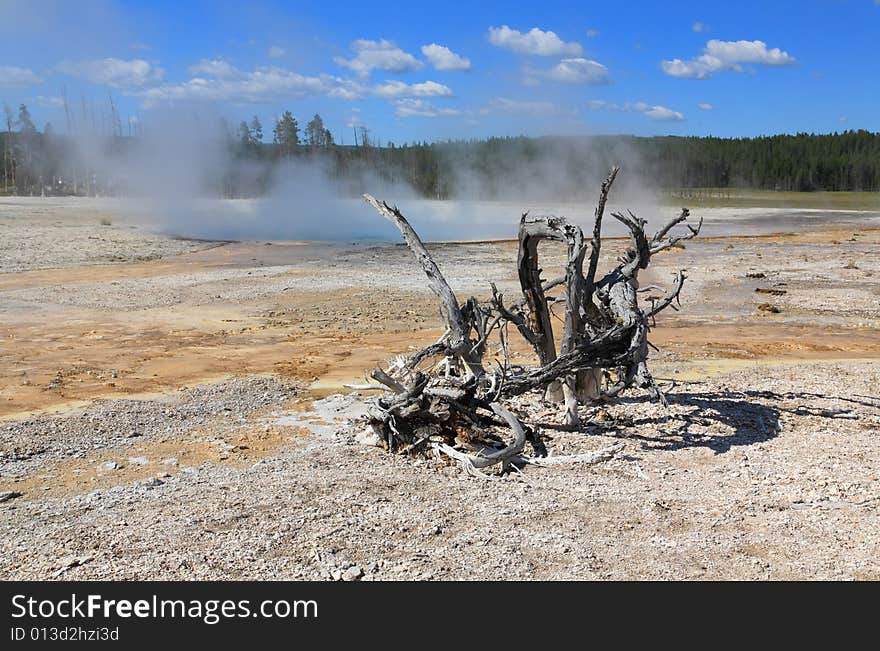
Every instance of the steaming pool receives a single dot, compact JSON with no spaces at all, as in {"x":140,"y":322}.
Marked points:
{"x":353,"y":220}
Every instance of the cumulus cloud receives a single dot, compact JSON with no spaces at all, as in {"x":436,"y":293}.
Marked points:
{"x":407,"y":108}
{"x":260,"y":85}
{"x":13,"y":76}
{"x":726,"y":55}
{"x":654,"y":112}
{"x":698,"y":27}
{"x":276,"y":51}
{"x":396,"y":88}
{"x":573,"y":71}
{"x":118,"y":73}
{"x":215,"y":68}
{"x":664,"y":114}
{"x":535,"y":41}
{"x":379,"y":55}
{"x":442,"y":58}
{"x":704,"y":106}
{"x":218,"y":80}
{"x":522,"y":107}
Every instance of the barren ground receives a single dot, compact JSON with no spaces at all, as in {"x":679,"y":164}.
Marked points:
{"x":174,"y":409}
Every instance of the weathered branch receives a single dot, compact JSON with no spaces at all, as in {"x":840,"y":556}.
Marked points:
{"x":531,"y":233}
{"x":596,"y":241}
{"x":673,"y":296}
{"x":658,"y":244}
{"x":598,"y":456}
{"x":639,"y":255}
{"x":603,"y":348}
{"x":482,"y":460}
{"x":436,"y":281}
{"x":459,"y":330}
{"x":382,"y":377}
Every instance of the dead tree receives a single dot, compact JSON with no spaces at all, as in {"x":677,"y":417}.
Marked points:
{"x":444,"y":395}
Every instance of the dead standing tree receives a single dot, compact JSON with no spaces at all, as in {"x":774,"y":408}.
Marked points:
{"x":444,"y":394}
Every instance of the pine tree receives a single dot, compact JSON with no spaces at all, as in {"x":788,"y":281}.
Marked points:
{"x":256,"y":130}
{"x":316,"y":134}
{"x":25,"y":124}
{"x":245,"y":137}
{"x":286,"y":133}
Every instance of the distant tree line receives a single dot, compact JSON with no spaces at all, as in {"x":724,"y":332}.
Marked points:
{"x":801,"y":162}
{"x":568,"y":166}
{"x":47,"y":162}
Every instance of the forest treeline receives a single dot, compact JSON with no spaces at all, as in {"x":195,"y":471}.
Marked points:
{"x":38,"y":162}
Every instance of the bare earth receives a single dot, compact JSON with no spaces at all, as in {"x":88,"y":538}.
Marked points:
{"x":173,"y":409}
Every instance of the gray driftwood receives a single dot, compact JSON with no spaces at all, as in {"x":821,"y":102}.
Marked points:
{"x":446,"y":399}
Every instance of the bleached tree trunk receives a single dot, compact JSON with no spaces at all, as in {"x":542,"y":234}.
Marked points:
{"x":603,"y":351}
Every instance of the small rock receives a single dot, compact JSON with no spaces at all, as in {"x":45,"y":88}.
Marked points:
{"x":139,"y":461}
{"x":73,"y":561}
{"x":152,"y":482}
{"x":771,"y":291}
{"x":367,"y":437}
{"x":5,"y":496}
{"x":108,"y":465}
{"x":68,"y":562}
{"x":354,"y":573}
{"x":163,"y":475}
{"x":171,"y":461}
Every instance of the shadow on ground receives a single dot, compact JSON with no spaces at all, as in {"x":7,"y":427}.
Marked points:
{"x":719,"y":420}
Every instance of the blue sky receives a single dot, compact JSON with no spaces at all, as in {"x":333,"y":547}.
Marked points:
{"x":418,"y":71}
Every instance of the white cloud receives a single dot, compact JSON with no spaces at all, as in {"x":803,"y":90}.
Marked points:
{"x":698,"y":27}
{"x":664,"y":114}
{"x":535,"y":41}
{"x":726,"y":55}
{"x":216,"y":68}
{"x":260,"y":85}
{"x":379,"y":55}
{"x":704,"y":106}
{"x":659,"y":113}
{"x":394,"y":88}
{"x":593,"y":33}
{"x":528,"y":108}
{"x":14,"y":76}
{"x":218,"y":80}
{"x":842,"y":119}
{"x":748,"y":52}
{"x":117,"y":73}
{"x":442,"y":58}
{"x":573,"y":71}
{"x":407,"y":108}
{"x":276,"y":52}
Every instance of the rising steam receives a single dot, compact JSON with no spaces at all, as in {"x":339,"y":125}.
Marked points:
{"x":173,"y":173}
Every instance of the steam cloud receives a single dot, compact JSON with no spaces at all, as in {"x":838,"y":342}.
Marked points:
{"x":172,"y":174}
